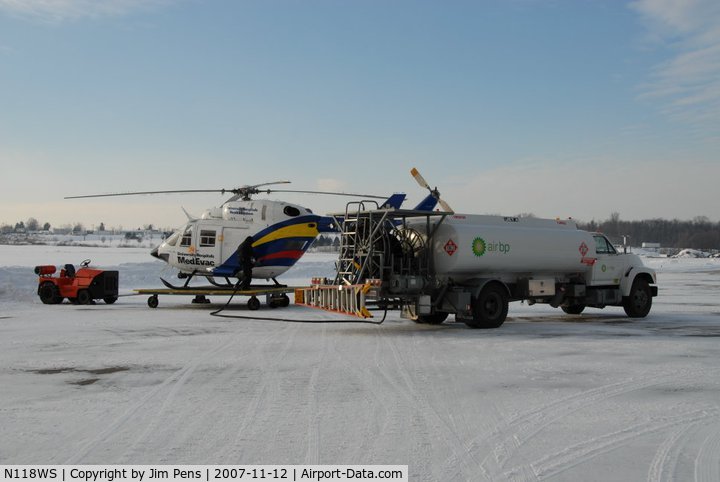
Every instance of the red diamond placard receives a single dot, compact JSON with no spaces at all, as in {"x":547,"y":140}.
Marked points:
{"x":450,"y":247}
{"x":583,"y":249}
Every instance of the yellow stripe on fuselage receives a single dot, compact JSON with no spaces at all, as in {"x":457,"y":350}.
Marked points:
{"x":302,"y":230}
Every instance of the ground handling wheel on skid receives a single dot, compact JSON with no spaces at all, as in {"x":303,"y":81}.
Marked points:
{"x":153,"y":301}
{"x":278,"y":301}
{"x":253,"y":304}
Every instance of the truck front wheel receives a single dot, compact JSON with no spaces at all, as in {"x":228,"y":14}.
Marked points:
{"x":638,"y":304}
{"x":490,"y":308}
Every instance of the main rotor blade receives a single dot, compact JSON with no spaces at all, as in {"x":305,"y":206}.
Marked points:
{"x":240,"y":190}
{"x":139,"y":193}
{"x":265,"y":184}
{"x":367,"y":196}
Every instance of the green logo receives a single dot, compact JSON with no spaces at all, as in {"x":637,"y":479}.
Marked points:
{"x":478,"y":246}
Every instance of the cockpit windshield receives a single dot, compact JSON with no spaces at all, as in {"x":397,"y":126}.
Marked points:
{"x":172,"y":239}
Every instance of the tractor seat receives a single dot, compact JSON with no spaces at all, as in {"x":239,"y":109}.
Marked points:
{"x":69,"y":270}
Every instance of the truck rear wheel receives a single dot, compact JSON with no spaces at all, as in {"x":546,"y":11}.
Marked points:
{"x":638,"y":304}
{"x":573,"y":309}
{"x":49,"y":294}
{"x":490,"y":308}
{"x":434,"y":319}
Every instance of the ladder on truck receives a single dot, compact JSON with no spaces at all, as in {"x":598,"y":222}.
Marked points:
{"x":362,"y":243}
{"x":376,"y":246}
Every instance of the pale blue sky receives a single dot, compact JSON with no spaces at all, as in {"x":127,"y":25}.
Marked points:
{"x":561,"y":108}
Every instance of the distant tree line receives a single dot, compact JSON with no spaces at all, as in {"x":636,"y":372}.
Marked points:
{"x":699,"y":233}
{"x":325,"y":241}
{"x":32,"y":225}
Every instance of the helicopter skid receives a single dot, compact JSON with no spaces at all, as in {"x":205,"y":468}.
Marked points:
{"x":276,"y":296}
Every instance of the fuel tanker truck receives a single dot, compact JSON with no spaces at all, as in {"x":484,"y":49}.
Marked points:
{"x":433,"y":264}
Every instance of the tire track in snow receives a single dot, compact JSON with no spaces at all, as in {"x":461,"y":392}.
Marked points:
{"x":373,"y":393}
{"x":662,"y":467}
{"x":312,"y":454}
{"x":178,"y":377}
{"x":173,"y":432}
{"x":263,"y":390}
{"x":433,"y":418}
{"x":707,"y":462}
{"x":507,"y":437}
{"x":557,"y":463}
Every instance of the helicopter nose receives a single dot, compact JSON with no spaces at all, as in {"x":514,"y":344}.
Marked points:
{"x":163,"y":256}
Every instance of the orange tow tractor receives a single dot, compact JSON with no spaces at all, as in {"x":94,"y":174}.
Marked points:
{"x":79,"y":287}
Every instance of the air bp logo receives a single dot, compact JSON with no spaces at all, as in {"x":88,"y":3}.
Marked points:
{"x":478,"y":246}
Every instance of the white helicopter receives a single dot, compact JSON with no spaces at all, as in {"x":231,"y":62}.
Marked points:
{"x":281,"y":233}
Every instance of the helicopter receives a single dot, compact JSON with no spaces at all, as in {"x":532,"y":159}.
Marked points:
{"x":280,"y":232}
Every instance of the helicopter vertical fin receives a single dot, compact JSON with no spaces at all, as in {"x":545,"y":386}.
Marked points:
{"x":394,"y":201}
{"x":427,"y":204}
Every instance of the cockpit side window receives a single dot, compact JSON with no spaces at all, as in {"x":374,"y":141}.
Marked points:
{"x":186,"y":237}
{"x":603,"y":246}
{"x":291,"y":211}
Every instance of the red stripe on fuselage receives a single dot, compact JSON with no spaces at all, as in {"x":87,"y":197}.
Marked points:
{"x":294,"y":254}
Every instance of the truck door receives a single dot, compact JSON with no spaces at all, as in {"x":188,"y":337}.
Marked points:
{"x":608,"y":268}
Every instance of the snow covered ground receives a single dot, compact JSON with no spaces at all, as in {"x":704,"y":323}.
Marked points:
{"x":545,"y":397}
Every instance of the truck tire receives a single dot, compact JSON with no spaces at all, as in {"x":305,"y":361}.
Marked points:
{"x":638,"y":304}
{"x":110,"y":299}
{"x":49,"y":294}
{"x":573,"y":309}
{"x":434,"y":319}
{"x":490,"y":308}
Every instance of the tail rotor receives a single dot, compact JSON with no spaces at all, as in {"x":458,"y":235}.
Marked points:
{"x":434,"y":191}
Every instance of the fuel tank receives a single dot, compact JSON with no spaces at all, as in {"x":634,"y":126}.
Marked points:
{"x":472,"y":246}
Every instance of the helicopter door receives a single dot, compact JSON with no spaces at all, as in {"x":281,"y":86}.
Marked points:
{"x":208,"y":247}
{"x":231,"y":239}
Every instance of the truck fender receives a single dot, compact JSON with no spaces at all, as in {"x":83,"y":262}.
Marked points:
{"x":631,"y":274}
{"x":476,"y":285}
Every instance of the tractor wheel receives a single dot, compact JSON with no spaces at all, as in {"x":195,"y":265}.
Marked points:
{"x":284,"y":301}
{"x":83,"y":297}
{"x":49,"y":294}
{"x":110,"y":299}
